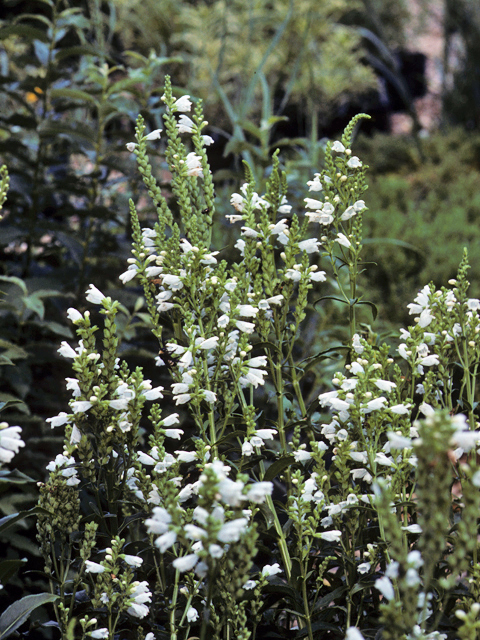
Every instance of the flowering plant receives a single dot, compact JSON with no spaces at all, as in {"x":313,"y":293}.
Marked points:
{"x":251,"y":504}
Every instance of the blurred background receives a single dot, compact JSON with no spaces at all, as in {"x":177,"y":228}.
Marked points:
{"x":287,"y":74}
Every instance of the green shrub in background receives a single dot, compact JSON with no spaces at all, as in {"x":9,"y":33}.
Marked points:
{"x":422,"y":213}
{"x":174,"y":532}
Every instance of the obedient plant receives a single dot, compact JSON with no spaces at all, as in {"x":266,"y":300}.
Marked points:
{"x":248,"y":505}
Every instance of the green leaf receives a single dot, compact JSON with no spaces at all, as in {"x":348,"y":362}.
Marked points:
{"x":35,"y":304}
{"x":372,"y":306}
{"x":14,"y":280}
{"x":74,"y":94}
{"x":18,"y":613}
{"x":9,"y":568}
{"x":7,"y":521}
{"x":24,"y":31}
{"x":278,"y":466}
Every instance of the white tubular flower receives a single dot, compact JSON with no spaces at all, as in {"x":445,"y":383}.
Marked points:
{"x":209,"y":396}
{"x":93,"y":567}
{"x":238,"y":202}
{"x":185,"y":124}
{"x":338,"y":147}
{"x":240,"y":245}
{"x":10,"y":442}
{"x":67,"y":351}
{"x":311,"y":203}
{"x":343,"y":240}
{"x":165,"y":541}
{"x":139,"y":596}
{"x":58,"y":421}
{"x":194,"y":165}
{"x":364,"y":567}
{"x":400,"y":409}
{"x":254,"y":377}
{"x":129,"y":274}
{"x":154,"y":135}
{"x":293,"y":274}
{"x":209,"y":343}
{"x":183,"y":398}
{"x":385,"y":385}
{"x":183,"y":104}
{"x":310,"y":245}
{"x":80,"y":406}
{"x":232,"y":531}
{"x":133,"y":561}
{"x":185,"y":563}
{"x":170,"y":420}
{"x":374,"y":405}
{"x":318,"y":276}
{"x":429,"y":361}
{"x":94,"y":295}
{"x":118,"y":405}
{"x":247,"y":311}
{"x":207,"y":140}
{"x":159,"y":522}
{"x":74,"y":315}
{"x":153,"y":394}
{"x":331,"y":536}
{"x":315,"y":184}
{"x":172,"y":282}
{"x":398,"y":441}
{"x":259,"y":491}
{"x":301,"y":455}
{"x":98,"y":634}
{"x":186,"y":456}
{"x":232,"y":218}
{"x":175,"y":434}
{"x":192,"y":614}
{"x":385,"y":586}
{"x":354,"y":163}
{"x":271,"y":570}
{"x":246,"y":327}
{"x":352,"y":632}
{"x":131,"y":146}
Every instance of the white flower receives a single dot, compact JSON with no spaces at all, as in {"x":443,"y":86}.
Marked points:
{"x":172,"y":282}
{"x":364,"y":567}
{"x":207,"y":140}
{"x":58,"y":421}
{"x":413,"y":528}
{"x":209,"y":396}
{"x":343,"y":240}
{"x":374,"y":405}
{"x":338,"y":147}
{"x":311,"y":203}
{"x":153,"y":394}
{"x":315,"y":184}
{"x":154,"y":135}
{"x":293,"y":274}
{"x":310,"y":245}
{"x":170,"y":420}
{"x":94,"y":295}
{"x":397,"y":441}
{"x":247,"y":311}
{"x":231,"y":531}
{"x":271,"y":569}
{"x":182,"y":104}
{"x":400,"y":409}
{"x":258,"y":491}
{"x":129,"y":274}
{"x":209,"y":343}
{"x":318,"y":276}
{"x":185,"y":124}
{"x":104,"y":632}
{"x":192,"y":614}
{"x":118,"y":405}
{"x":175,"y":434}
{"x":73,"y":315}
{"x":66,"y":350}
{"x":186,"y":456}
{"x":185,"y":563}
{"x":131,"y":146}
{"x":133,"y":561}
{"x":194,"y":165}
{"x":249,"y":584}
{"x":139,"y":596}
{"x":331,"y":536}
{"x":159,"y":521}
{"x":246,"y":327}
{"x":353,"y":634}
{"x":165,"y":541}
{"x":301,"y":455}
{"x":10,"y":442}
{"x":385,"y":385}
{"x":429,"y":361}
{"x":354,"y":163}
{"x":385,"y":586}
{"x":93,"y":567}
{"x":80,"y":406}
